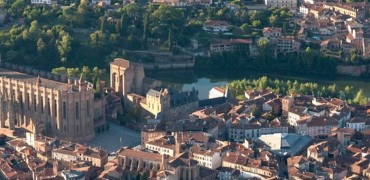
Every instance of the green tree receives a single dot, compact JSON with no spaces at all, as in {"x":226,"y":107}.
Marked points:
{"x":244,"y":27}
{"x":165,"y":18}
{"x":273,"y":19}
{"x":64,"y":47}
{"x":256,"y":23}
{"x":354,"y":55}
{"x":59,"y":71}
{"x":360,"y":98}
{"x":146,"y":31}
{"x":41,"y":46}
{"x":169,"y":40}
{"x":256,"y":112}
{"x":264,"y":53}
{"x":308,"y":57}
{"x":98,"y":39}
{"x":348,"y":92}
{"x":73,"y":72}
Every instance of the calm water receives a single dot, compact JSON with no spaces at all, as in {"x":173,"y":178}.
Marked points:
{"x":204,"y":81}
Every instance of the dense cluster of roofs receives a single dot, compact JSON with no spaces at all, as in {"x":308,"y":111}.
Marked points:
{"x":307,"y":138}
{"x":339,"y":29}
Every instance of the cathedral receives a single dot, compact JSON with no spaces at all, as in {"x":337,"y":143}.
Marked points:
{"x":44,"y":103}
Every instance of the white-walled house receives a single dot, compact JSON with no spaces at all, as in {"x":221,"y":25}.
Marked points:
{"x":164,"y":145}
{"x":48,"y":2}
{"x":216,"y":26}
{"x":207,"y":158}
{"x":106,"y":2}
{"x":357,"y":123}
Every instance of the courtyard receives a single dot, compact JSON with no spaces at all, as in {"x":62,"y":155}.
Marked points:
{"x":115,"y":138}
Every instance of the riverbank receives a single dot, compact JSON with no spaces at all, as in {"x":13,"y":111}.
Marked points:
{"x":205,"y":80}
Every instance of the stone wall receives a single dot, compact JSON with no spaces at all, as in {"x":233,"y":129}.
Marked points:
{"x":35,"y":72}
{"x":170,"y":65}
{"x":354,"y":71}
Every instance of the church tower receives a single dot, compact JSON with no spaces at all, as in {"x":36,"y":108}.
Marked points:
{"x":126,"y":77}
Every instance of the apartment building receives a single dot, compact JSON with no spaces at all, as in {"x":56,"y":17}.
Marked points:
{"x":206,"y":157}
{"x":287,"y":44}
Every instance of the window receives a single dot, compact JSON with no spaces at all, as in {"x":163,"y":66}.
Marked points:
{"x":21,"y":100}
{"x":42,"y":105}
{"x":55,"y":108}
{"x":77,"y":128}
{"x":28,"y":101}
{"x":77,"y":111}
{"x":34,"y":102}
{"x":88,"y":108}
{"x":48,"y":106}
{"x":64,"y":110}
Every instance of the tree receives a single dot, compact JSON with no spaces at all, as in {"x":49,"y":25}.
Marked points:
{"x":64,"y":46}
{"x":59,"y":71}
{"x":17,"y":8}
{"x":256,"y":112}
{"x":165,"y":18}
{"x":264,"y":52}
{"x":98,"y":39}
{"x":41,"y":45}
{"x":273,"y":19}
{"x":73,"y":72}
{"x":354,"y":55}
{"x":348,"y":92}
{"x":169,"y":41}
{"x":86,"y":73}
{"x":146,"y":31}
{"x":34,"y":30}
{"x":360,"y":98}
{"x":340,"y":53}
{"x":244,"y":27}
{"x":263,"y":83}
{"x":308,"y":56}
{"x":256,"y":23}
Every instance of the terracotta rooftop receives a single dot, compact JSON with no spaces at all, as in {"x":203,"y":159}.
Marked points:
{"x":123,"y":63}
{"x":271,"y":29}
{"x":236,"y":159}
{"x":298,"y":110}
{"x":322,"y":121}
{"x":17,"y":143}
{"x":357,"y":120}
{"x":165,"y":142}
{"x":140,"y":155}
{"x":200,"y":151}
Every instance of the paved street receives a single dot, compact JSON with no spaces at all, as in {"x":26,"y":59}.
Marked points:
{"x":115,"y":138}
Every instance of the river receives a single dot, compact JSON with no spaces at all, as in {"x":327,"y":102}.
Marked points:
{"x":203,"y":81}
